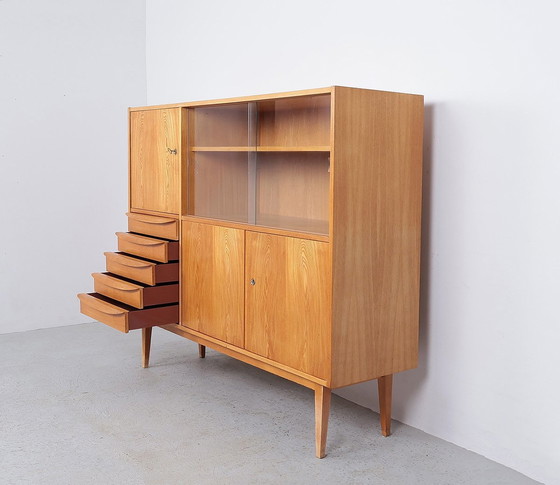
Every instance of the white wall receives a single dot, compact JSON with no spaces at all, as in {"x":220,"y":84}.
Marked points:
{"x":68,"y":71}
{"x":488,"y":378}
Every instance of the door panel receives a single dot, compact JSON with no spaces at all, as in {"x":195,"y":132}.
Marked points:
{"x":212,"y":281}
{"x":287,"y":316}
{"x":154,"y":159}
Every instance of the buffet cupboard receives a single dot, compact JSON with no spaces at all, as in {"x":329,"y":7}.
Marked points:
{"x":282,"y":230}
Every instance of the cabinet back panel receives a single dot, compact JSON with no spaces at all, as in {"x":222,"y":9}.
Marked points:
{"x":292,"y":122}
{"x":293,"y":191}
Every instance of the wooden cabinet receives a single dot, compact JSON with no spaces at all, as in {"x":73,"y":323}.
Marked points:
{"x":295,"y":221}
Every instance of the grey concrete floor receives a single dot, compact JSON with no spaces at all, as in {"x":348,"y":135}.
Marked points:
{"x":77,"y":408}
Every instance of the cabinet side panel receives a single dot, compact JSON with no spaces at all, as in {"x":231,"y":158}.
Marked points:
{"x":154,"y":160}
{"x":376,"y":233}
{"x":212,"y":295}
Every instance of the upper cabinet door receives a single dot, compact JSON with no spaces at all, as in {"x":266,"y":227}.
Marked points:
{"x":155,"y":138}
{"x":287,"y":294}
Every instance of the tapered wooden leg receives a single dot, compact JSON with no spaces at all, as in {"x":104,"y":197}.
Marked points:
{"x":322,"y":408}
{"x":146,"y":342}
{"x":201,"y":351}
{"x":385,"y":388}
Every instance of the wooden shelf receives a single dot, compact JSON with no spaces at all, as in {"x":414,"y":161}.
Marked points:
{"x":297,"y":224}
{"x":315,"y":148}
{"x":223,"y":149}
{"x":315,"y":230}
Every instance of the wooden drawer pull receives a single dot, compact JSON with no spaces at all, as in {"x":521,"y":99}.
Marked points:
{"x":153,"y":221}
{"x":150,"y":219}
{"x":124,"y":288}
{"x":139,"y":265}
{"x":114,"y":312}
{"x":155,"y":243}
{"x":115,"y":282}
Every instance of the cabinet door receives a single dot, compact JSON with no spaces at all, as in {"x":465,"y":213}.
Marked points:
{"x":288,"y":300}
{"x":212,"y":281}
{"x":154,"y":160}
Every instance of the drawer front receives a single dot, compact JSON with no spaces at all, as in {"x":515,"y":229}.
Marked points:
{"x":123,"y":317}
{"x":133,"y":294}
{"x":146,"y":272}
{"x":153,"y":226}
{"x":148,"y":247}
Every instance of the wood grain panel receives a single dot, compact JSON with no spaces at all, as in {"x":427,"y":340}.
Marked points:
{"x":376,"y":235}
{"x":212,"y":281}
{"x":155,"y":152}
{"x":287,"y":312}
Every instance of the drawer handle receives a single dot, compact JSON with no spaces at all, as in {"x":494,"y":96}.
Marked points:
{"x":114,"y":313}
{"x":132,"y":263}
{"x":161,"y":223}
{"x":99,"y":306}
{"x":122,"y":287}
{"x":138,"y":241}
{"x":113,"y":282}
{"x":150,"y":221}
{"x":139,"y":266}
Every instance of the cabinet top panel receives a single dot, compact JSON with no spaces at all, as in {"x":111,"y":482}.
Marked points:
{"x":288,"y":94}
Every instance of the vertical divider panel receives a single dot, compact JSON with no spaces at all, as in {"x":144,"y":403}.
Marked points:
{"x":252,"y":118}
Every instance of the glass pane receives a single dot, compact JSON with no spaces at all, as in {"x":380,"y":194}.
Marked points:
{"x":220,"y":126}
{"x":221,"y":145}
{"x":265,"y":163}
{"x":218,"y":185}
{"x":295,"y":122}
{"x":293,"y":191}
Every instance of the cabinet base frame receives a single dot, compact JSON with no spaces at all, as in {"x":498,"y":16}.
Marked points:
{"x":322,"y":391}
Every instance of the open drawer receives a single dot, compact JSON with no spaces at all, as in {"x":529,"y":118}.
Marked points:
{"x":124,"y":317}
{"x":148,"y":247}
{"x":153,"y":225}
{"x":134,"y":294}
{"x":147,"y":272}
